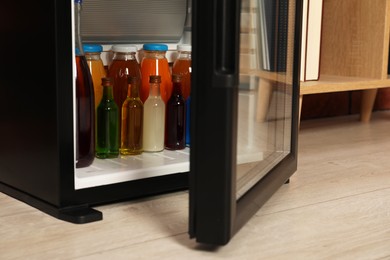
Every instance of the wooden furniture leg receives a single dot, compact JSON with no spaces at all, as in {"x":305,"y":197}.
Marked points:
{"x":368,"y":99}
{"x":264,"y":94}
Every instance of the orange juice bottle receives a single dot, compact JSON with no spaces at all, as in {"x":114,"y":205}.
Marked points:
{"x":154,"y":62}
{"x":96,"y":67}
{"x":182,"y":66}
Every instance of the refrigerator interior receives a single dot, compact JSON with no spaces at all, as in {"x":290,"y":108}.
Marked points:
{"x":263,"y":139}
{"x":98,"y":19}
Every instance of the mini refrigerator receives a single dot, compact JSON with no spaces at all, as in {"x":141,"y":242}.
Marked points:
{"x":244,"y":108}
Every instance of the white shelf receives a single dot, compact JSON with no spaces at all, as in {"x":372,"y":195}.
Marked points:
{"x":129,"y":168}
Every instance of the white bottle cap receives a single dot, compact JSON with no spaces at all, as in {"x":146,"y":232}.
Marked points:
{"x":124,"y":48}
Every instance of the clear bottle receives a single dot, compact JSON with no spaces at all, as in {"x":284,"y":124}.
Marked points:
{"x":175,"y":117}
{"x":124,"y":64}
{"x":154,"y":118}
{"x":132,"y":120}
{"x":154,"y":62}
{"x":183,"y":66}
{"x":107,"y":130}
{"x":85,"y":116}
{"x":96,"y":67}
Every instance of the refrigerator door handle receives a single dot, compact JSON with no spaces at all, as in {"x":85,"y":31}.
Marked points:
{"x":226,"y":39}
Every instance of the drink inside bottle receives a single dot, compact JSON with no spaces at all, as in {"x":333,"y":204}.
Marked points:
{"x":132,"y":120}
{"x":154,"y":118}
{"x":107,"y":130}
{"x":96,"y":67}
{"x":175,"y":117}
{"x":188,"y":116}
{"x":85,"y":108}
{"x":123,"y":65}
{"x":154,"y":62}
{"x":182,"y":66}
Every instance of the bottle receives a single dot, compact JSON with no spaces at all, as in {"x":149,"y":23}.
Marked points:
{"x":124,"y":64}
{"x":85,"y":116}
{"x":96,"y":67}
{"x":132,"y":120}
{"x":183,"y":66}
{"x":175,"y":117}
{"x":107,"y":125}
{"x":188,"y":116}
{"x":154,"y":62}
{"x":154,"y":118}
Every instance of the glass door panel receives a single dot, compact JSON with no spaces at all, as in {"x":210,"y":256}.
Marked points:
{"x":244,"y":110}
{"x":265,"y":89}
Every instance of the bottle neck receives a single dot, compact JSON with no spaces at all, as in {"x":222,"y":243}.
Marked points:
{"x":77,"y":17}
{"x":177,"y":88}
{"x":154,"y":89}
{"x":108,"y":92}
{"x":124,"y":56}
{"x":133,"y":90}
{"x":154,"y":54}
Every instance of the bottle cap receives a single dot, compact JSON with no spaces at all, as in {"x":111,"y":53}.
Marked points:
{"x":155,"y":79}
{"x":92,"y":48}
{"x":78,"y":1}
{"x":107,"y":81}
{"x":184,"y":47}
{"x":155,"y":47}
{"x":124,"y":48}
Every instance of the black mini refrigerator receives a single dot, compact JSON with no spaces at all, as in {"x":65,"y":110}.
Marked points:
{"x":244,"y":108}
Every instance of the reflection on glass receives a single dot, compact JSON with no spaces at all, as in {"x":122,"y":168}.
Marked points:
{"x":265,"y":96}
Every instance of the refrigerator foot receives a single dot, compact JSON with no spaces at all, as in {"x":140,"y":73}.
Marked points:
{"x":288,"y":181}
{"x":80,"y":215}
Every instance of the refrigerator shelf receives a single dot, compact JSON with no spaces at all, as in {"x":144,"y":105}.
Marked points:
{"x":134,"y":167}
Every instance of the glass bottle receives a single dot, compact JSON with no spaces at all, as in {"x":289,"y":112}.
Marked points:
{"x":85,"y":116}
{"x":154,"y":62}
{"x":188,"y":124}
{"x":183,"y":66}
{"x":107,"y":130}
{"x":154,"y":118}
{"x":132,"y":120}
{"x":124,"y":64}
{"x":175,"y":117}
{"x":96,"y":67}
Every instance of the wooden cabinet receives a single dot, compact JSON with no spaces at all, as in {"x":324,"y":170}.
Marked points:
{"x":354,"y":50}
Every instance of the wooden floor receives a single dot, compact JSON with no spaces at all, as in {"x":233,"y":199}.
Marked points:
{"x":337,"y":206}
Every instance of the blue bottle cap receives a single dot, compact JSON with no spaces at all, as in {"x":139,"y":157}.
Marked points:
{"x":78,"y":1}
{"x":155,"y":47}
{"x":92,"y":48}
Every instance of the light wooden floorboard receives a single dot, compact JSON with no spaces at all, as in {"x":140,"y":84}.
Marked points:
{"x":336,"y":206}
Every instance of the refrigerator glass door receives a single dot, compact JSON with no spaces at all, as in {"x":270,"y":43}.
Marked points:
{"x":245,"y":110}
